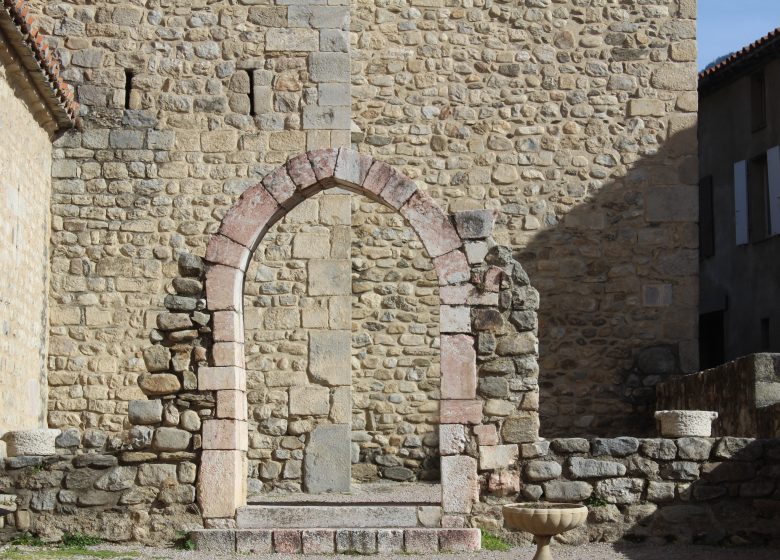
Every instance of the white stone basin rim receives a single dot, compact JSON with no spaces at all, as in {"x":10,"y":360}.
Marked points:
{"x":685,"y":423}
{"x":39,"y":441}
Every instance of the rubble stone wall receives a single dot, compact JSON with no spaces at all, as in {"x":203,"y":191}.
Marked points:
{"x":25,"y":184}
{"x":574,"y":120}
{"x":690,"y":490}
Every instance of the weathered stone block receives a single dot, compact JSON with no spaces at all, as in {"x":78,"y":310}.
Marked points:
{"x":329,"y":67}
{"x":214,"y":540}
{"x":354,"y":541}
{"x":620,"y":490}
{"x":538,"y":471}
{"x":224,"y":288}
{"x":454,"y":319}
{"x":329,"y":357}
{"x":390,"y":541}
{"x":460,"y":540}
{"x":462,"y":487}
{"x":145,"y":412}
{"x":221,"y":483}
{"x":458,"y":367}
{"x":222,"y":250}
{"x":497,"y":456}
{"x":221,"y":378}
{"x":521,"y":428}
{"x":694,"y":449}
{"x":156,"y":384}
{"x":329,"y":117}
{"x":225,"y":434}
{"x":255,"y":541}
{"x":228,"y":326}
{"x":460,"y":411}
{"x":327,"y":460}
{"x":287,"y":541}
{"x":420,"y":541}
{"x":157,"y":358}
{"x":231,"y":404}
{"x":330,"y":277}
{"x":560,"y":491}
{"x":590,"y":468}
{"x":309,"y":400}
{"x":475,"y":224}
{"x":452,"y":439}
{"x":615,"y":447}
{"x":171,"y":439}
{"x":452,"y":268}
{"x":250,"y":217}
{"x":431,"y":224}
{"x":291,"y":40}
{"x":398,"y":190}
{"x":318,"y":541}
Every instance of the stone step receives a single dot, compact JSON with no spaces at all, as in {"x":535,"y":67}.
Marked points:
{"x":409,"y":493}
{"x":330,"y":517}
{"x":329,"y":541}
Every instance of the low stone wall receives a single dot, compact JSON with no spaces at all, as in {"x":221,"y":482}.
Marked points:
{"x":101,"y":493}
{"x":751,"y":382}
{"x":690,"y":490}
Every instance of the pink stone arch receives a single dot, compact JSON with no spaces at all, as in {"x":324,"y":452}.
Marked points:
{"x":223,"y":472}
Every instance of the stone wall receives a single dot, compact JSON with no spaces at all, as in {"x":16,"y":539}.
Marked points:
{"x":395,"y":348}
{"x":575,"y":121}
{"x":737,"y":391}
{"x":99,"y":492}
{"x":689,"y":490}
{"x":25,"y":226}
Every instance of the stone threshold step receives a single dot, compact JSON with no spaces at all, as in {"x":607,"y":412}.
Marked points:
{"x":329,"y":541}
{"x":329,"y":517}
{"x":370,"y":493}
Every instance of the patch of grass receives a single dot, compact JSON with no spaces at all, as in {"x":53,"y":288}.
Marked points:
{"x":28,"y":539}
{"x":183,"y":541}
{"x":79,"y":540}
{"x":595,"y":501}
{"x":493,"y":542}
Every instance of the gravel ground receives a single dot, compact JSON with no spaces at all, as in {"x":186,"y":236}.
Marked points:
{"x":584,"y":552}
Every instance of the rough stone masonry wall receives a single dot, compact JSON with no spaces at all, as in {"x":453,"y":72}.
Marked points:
{"x":146,"y":183}
{"x":573,"y":119}
{"x":691,"y":490}
{"x":25,"y":183}
{"x":395,"y":349}
{"x":576,"y":120}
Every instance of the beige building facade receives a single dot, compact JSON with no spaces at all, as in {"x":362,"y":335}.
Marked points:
{"x":28,"y":122}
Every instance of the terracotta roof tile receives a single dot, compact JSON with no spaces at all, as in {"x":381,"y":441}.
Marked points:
{"x":41,"y":59}
{"x":734,"y":60}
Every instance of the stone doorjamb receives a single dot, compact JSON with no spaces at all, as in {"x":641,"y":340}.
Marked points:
{"x":223,"y":469}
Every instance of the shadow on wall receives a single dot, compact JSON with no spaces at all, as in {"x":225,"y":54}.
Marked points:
{"x":715,"y":491}
{"x":617,"y":275}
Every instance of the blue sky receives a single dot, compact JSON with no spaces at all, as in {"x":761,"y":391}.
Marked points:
{"x":729,"y":25}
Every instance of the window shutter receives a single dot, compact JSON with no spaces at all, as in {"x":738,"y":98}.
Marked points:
{"x":773,"y":176}
{"x":741,"y":202}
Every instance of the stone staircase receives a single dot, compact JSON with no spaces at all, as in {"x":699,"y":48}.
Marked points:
{"x":373,"y":518}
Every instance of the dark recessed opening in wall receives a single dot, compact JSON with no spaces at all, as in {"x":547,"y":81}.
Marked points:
{"x":766,"y":343}
{"x":758,"y":203}
{"x":711,"y":339}
{"x":252,"y":111}
{"x":128,"y":87}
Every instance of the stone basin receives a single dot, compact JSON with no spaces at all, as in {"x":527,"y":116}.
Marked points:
{"x":685,"y":423}
{"x":544,"y":521}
